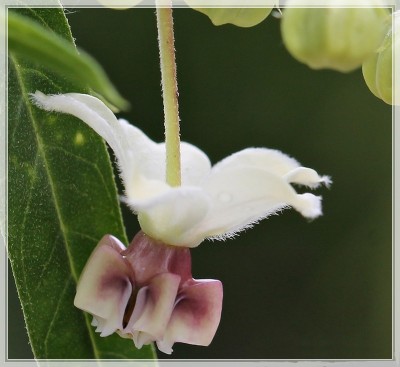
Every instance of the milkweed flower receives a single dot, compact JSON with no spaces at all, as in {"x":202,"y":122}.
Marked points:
{"x":146,"y":291}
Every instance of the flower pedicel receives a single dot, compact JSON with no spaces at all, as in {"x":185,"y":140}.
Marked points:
{"x":146,"y":291}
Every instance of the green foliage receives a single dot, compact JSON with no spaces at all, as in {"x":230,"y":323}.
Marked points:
{"x":38,"y":43}
{"x":62,"y":200}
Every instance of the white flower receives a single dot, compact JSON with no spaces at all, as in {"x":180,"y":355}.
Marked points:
{"x":212,"y":202}
{"x":146,"y":291}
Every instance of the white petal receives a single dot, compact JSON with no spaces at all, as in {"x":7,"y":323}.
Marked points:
{"x":90,"y":110}
{"x":146,"y":177}
{"x":307,"y":176}
{"x":144,"y":156}
{"x":141,"y":160}
{"x":241,"y":189}
{"x":195,"y":164}
{"x":150,"y":157}
{"x":242,"y":196}
{"x":269,"y":160}
{"x":129,"y":144}
{"x":172,"y":216}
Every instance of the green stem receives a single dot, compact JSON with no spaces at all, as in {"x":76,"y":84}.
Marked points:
{"x":165,"y":26}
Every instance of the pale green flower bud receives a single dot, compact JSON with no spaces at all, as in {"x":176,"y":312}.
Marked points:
{"x":335,"y":38}
{"x":241,"y":17}
{"x":377,"y":70}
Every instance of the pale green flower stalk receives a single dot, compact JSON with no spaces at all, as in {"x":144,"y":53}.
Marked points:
{"x":165,"y":29}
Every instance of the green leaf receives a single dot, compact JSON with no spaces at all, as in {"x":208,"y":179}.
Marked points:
{"x":62,"y":200}
{"x":39,"y":43}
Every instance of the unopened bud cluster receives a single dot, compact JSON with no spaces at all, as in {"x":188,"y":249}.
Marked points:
{"x":333,"y":37}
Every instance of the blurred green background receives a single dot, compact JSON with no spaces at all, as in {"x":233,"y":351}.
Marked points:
{"x":293,"y":289}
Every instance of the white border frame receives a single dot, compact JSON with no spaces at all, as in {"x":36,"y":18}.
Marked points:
{"x":395,"y":362}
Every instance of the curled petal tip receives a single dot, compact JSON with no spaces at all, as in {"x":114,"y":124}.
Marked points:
{"x":309,"y":205}
{"x":327,"y":181}
{"x":307,"y":176}
{"x":40,"y":100}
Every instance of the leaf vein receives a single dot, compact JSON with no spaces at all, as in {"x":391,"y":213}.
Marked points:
{"x":46,"y":265}
{"x":95,"y":240}
{"x":16,"y":126}
{"x":37,"y":15}
{"x":93,"y":165}
{"x":23,"y":225}
{"x":59,"y":303}
{"x":38,"y":72}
